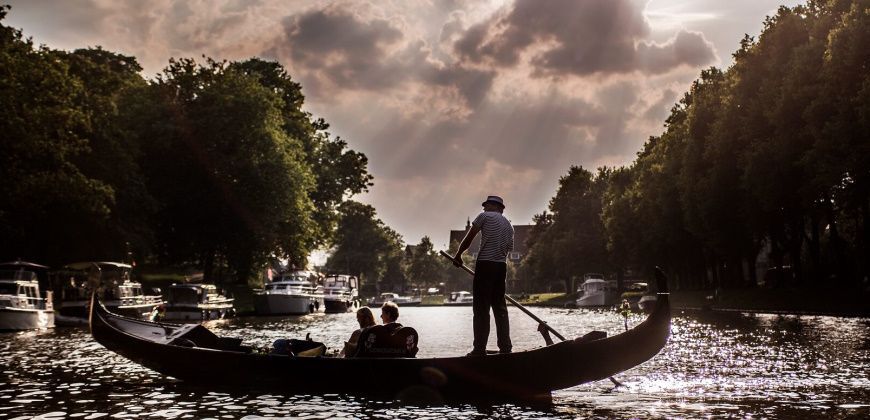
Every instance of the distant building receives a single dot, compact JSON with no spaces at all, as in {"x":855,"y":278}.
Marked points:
{"x":521,"y":234}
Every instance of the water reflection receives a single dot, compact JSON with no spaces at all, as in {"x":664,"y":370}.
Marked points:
{"x":714,"y":365}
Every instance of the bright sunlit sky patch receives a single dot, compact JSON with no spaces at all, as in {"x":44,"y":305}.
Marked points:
{"x":451,"y":100}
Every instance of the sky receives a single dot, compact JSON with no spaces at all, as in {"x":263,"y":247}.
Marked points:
{"x":450,"y":100}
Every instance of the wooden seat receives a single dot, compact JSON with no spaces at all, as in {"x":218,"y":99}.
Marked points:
{"x":384,"y":341}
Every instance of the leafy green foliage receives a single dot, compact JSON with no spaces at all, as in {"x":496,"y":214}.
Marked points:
{"x":425,"y":267}
{"x":572,"y":242}
{"x":46,"y":200}
{"x":768,"y":159}
{"x":215,"y":165}
{"x":366,"y":247}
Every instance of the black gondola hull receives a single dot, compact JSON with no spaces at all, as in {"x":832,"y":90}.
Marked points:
{"x":522,"y":374}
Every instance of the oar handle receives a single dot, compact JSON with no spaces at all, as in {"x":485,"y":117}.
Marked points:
{"x":511,"y":300}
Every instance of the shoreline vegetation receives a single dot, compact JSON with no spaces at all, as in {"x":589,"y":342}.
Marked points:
{"x":784,"y":301}
{"x":787,"y":301}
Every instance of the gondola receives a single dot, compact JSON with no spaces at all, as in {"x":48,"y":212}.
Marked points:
{"x":195,"y":355}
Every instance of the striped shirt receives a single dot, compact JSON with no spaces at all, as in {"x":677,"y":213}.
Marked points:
{"x":496,"y":236}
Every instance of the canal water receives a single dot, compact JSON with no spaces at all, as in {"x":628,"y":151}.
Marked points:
{"x":714,"y":365}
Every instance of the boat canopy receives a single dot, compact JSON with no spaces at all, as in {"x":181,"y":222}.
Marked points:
{"x":25,"y":264}
{"x":84,"y":265}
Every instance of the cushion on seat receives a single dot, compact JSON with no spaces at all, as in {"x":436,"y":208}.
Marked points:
{"x":380,"y":341}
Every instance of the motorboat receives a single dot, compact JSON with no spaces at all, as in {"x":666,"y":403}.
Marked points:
{"x":340,"y":293}
{"x":395,"y":298}
{"x":632,"y":294}
{"x":596,"y":291}
{"x":461,"y":298}
{"x":196,"y":302}
{"x":194,"y":354}
{"x":290,"y":294}
{"x":647,"y":303}
{"x":113,"y":285}
{"x":22,"y":307}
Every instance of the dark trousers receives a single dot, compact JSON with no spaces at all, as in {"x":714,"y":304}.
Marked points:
{"x":489,"y":277}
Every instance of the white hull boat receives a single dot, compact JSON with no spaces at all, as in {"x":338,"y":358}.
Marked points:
{"x":647,"y":303}
{"x":113,"y":285}
{"x":462,"y":298}
{"x":340,"y":293}
{"x":395,"y":298}
{"x":196,"y":302}
{"x":21,"y":305}
{"x":596,"y":292}
{"x":14,"y":319}
{"x":291,"y":294}
{"x":288,"y":304}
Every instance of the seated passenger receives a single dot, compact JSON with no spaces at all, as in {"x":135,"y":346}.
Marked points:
{"x":390,"y":339}
{"x":366,"y":319}
{"x":389,"y":315}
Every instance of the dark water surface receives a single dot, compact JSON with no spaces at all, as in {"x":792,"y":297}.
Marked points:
{"x":714,"y":365}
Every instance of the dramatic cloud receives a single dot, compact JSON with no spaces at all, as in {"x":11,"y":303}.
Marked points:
{"x":339,"y":50}
{"x":450,"y":100}
{"x":579,"y":38}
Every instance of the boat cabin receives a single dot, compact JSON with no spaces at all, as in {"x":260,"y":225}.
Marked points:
{"x":16,"y":292}
{"x":292,"y":283}
{"x":112,"y":279}
{"x":460,"y":297}
{"x":340,"y":281}
{"x":77,"y":280}
{"x":192,"y":294}
{"x":595,"y":285}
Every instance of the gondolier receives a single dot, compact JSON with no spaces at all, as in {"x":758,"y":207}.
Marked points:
{"x":497,"y":239}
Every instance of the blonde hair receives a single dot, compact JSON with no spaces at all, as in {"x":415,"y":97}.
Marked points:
{"x":365,"y":317}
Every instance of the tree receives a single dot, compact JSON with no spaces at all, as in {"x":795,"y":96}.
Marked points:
{"x":46,"y":200}
{"x":112,"y":87}
{"x":232,"y":183}
{"x":338,"y":171}
{"x":424,"y":267}
{"x":364,"y":245}
{"x":574,"y":244}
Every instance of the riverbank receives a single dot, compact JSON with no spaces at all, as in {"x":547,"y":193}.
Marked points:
{"x":816,"y":300}
{"x":798,"y":301}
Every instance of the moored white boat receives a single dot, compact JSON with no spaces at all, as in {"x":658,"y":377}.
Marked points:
{"x":340,"y":293}
{"x":290,"y":294}
{"x":22,"y":307}
{"x":595,"y":291}
{"x":461,"y":298}
{"x":113,"y":285}
{"x":647,"y":303}
{"x":395,"y":298}
{"x":196,"y":302}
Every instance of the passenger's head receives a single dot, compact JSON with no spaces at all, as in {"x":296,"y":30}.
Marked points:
{"x":389,"y":312}
{"x":365,"y":317}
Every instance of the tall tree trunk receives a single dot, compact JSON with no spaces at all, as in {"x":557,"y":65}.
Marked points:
{"x":795,"y":248}
{"x":815,"y":248}
{"x":776,"y":256}
{"x":836,"y":243}
{"x":751,"y":260}
{"x":865,"y":243}
{"x":208,"y":267}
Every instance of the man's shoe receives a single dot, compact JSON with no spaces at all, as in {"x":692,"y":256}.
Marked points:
{"x":476,"y":353}
{"x":505,"y":351}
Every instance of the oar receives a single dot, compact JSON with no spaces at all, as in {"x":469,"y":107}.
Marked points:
{"x":511,"y":300}
{"x":527,"y":312}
